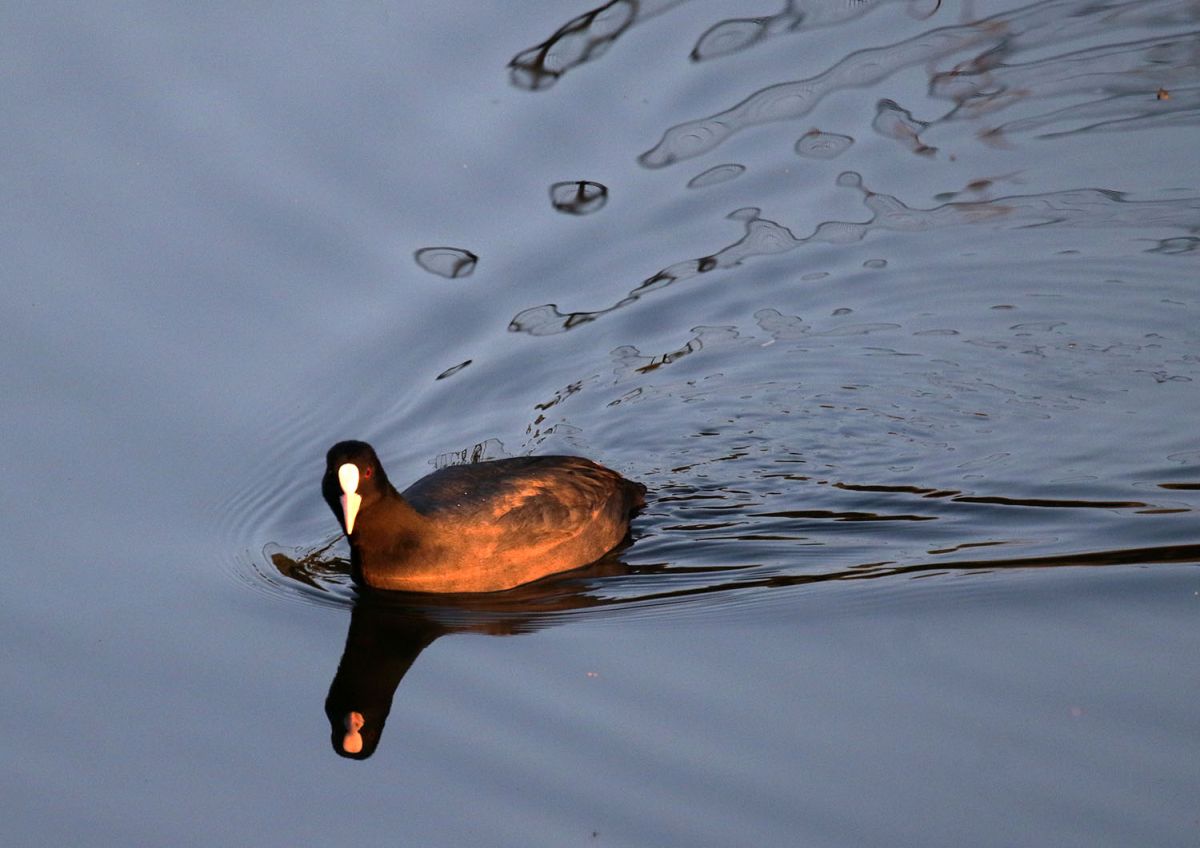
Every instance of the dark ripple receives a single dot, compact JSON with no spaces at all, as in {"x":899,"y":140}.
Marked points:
{"x":452,"y":370}
{"x":715,"y":175}
{"x":895,"y":122}
{"x":580,"y":197}
{"x":449,"y":262}
{"x":816,"y":144}
{"x":581,"y":39}
{"x":826,"y":515}
{"x":1046,"y":503}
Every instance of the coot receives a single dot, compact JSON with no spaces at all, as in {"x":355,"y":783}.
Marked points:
{"x":476,"y":528}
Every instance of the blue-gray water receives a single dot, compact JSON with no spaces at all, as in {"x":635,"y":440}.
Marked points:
{"x":893,"y":306}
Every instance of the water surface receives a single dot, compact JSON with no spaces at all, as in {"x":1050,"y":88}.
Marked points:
{"x":892,"y":306}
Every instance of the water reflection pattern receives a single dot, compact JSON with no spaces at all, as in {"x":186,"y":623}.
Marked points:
{"x":983,"y":83}
{"x":580,"y":40}
{"x":1081,"y":208}
{"x":1127,"y":74}
{"x":735,"y":34}
{"x":588,"y":36}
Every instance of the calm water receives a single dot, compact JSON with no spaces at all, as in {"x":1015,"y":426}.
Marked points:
{"x":894,"y":307}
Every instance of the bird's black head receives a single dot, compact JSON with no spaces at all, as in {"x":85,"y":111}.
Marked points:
{"x":354,"y":479}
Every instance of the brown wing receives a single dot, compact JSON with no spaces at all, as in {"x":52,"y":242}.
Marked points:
{"x":538,"y":496}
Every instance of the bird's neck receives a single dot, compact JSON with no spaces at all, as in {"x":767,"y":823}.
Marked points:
{"x":389,"y":531}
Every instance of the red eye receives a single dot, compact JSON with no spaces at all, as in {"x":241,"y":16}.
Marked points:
{"x":367,"y":473}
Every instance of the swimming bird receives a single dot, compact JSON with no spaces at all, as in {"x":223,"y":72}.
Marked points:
{"x":482,"y":527}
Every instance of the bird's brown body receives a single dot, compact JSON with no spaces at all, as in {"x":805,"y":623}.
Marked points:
{"x":483,"y":527}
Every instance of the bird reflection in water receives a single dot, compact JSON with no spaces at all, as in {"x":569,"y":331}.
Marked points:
{"x":383,"y":643}
{"x":389,"y":630}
